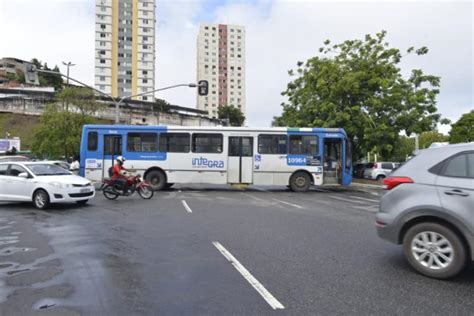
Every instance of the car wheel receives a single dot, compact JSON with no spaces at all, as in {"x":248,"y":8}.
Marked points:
{"x":434,"y":250}
{"x":300,"y":182}
{"x":156,"y":179}
{"x":380,"y":177}
{"x":82,"y":202}
{"x":41,"y":199}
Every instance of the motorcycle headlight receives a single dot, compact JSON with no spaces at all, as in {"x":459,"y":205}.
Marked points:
{"x":61,"y":185}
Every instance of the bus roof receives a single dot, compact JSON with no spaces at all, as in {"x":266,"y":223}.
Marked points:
{"x":216,"y":128}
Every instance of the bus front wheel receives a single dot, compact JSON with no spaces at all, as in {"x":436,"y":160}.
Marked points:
{"x":156,"y":179}
{"x":300,"y":182}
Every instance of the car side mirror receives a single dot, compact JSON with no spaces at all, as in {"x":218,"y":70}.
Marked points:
{"x":23,"y":175}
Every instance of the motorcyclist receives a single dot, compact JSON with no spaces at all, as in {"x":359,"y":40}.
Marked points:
{"x":120,"y":174}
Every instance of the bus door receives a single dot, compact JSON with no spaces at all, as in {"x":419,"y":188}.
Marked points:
{"x":112,"y":148}
{"x":332,"y":161}
{"x":240,"y":160}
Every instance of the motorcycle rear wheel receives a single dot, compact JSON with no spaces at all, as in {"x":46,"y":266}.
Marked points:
{"x":109,"y":192}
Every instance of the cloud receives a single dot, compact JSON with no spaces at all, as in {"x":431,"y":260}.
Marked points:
{"x":279,"y":33}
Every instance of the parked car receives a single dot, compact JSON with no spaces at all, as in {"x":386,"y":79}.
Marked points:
{"x":429,"y":208}
{"x":379,"y":170}
{"x":42,"y":183}
{"x":13,"y":158}
{"x":358,"y":170}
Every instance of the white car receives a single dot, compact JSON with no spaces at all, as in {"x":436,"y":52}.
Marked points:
{"x":42,"y":183}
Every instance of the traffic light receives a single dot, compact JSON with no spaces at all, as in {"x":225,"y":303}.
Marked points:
{"x":203,"y":87}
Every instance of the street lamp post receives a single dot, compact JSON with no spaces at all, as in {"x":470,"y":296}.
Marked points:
{"x":117,"y":104}
{"x":68,"y":64}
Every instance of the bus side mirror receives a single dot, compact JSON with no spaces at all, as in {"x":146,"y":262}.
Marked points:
{"x":203,"y":87}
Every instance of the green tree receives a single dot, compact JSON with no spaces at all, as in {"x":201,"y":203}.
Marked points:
{"x":60,"y":129}
{"x":59,"y":134}
{"x":463,"y":130}
{"x":427,"y":138}
{"x":48,"y":80}
{"x":233,"y":114}
{"x":358,"y":85}
{"x":403,"y":148}
{"x":81,"y":99}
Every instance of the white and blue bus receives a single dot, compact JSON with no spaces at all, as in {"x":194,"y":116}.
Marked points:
{"x":165,"y":155}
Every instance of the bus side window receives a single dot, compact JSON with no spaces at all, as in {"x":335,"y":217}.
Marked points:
{"x":142,"y":142}
{"x":92,"y":141}
{"x":304,"y":145}
{"x":207,"y":143}
{"x":174,"y":142}
{"x":272,"y":144}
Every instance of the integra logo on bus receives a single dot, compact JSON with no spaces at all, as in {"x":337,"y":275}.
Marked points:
{"x":202,"y":162}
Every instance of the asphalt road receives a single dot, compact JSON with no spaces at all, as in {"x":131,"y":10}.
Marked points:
{"x":214,"y":250}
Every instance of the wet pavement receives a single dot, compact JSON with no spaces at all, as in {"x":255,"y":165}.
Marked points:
{"x":315,"y":253}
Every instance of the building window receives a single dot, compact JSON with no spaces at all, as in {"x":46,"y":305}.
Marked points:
{"x":145,"y":12}
{"x":145,"y":72}
{"x":102,"y":43}
{"x":145,"y":21}
{"x":206,"y":27}
{"x":145,"y":38}
{"x":174,"y":142}
{"x":272,"y":144}
{"x":145,"y":80}
{"x":145,"y":4}
{"x":102,"y":61}
{"x":207,"y":143}
{"x":102,"y":35}
{"x":142,"y":142}
{"x":144,"y":98}
{"x":102,"y":78}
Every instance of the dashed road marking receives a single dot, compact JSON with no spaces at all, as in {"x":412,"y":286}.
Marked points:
{"x":260,"y":189}
{"x":364,"y":199}
{"x":346,"y":200}
{"x":186,"y":206}
{"x":291,"y":204}
{"x":368,"y":208}
{"x":267,"y":296}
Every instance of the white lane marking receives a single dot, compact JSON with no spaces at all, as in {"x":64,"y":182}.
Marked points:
{"x":346,"y":200}
{"x":294,"y":205}
{"x":186,"y":206}
{"x":267,"y":296}
{"x":364,"y":199}
{"x":368,"y":208}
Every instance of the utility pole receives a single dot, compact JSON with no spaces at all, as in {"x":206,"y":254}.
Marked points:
{"x":68,"y":64}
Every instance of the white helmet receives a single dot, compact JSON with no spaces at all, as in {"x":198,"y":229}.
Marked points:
{"x":121,"y":159}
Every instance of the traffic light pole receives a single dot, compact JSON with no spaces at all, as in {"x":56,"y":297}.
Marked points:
{"x":117,"y":104}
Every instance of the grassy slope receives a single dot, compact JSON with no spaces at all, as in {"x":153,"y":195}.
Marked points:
{"x":19,"y":125}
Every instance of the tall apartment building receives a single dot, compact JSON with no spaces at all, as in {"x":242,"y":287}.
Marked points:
{"x":125,"y":47}
{"x":221,"y":61}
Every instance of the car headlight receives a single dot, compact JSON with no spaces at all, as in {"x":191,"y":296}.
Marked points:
{"x":61,"y":185}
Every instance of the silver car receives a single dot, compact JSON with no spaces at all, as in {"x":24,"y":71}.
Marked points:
{"x":379,"y":170}
{"x":429,"y":208}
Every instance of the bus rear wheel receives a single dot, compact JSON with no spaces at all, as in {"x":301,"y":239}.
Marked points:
{"x":156,"y":179}
{"x":300,"y":182}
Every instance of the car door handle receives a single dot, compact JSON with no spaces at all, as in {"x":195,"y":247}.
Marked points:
{"x":456,"y":192}
{"x":282,"y":157}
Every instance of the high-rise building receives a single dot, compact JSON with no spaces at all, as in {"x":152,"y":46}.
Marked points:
{"x":221,"y":61}
{"x":125,"y":47}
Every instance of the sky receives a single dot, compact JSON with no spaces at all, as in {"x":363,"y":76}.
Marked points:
{"x":279,"y":34}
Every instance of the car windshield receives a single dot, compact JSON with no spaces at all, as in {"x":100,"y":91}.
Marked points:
{"x":47,"y":170}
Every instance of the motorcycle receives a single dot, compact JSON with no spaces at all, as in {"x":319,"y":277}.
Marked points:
{"x":112,"y":189}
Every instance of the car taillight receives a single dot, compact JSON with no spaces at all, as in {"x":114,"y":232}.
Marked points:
{"x":391,"y":182}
